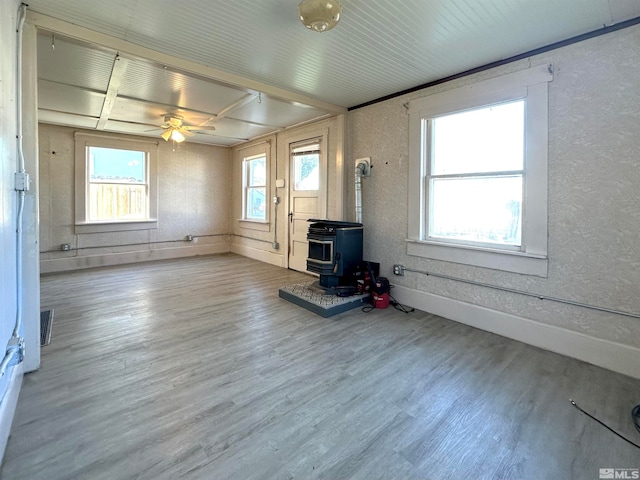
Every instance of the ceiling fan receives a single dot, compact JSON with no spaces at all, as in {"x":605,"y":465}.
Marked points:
{"x":175,"y":130}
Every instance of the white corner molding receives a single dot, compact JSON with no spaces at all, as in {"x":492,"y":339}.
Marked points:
{"x":603,"y":353}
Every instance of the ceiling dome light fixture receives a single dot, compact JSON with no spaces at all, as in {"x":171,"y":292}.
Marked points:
{"x":320,"y":15}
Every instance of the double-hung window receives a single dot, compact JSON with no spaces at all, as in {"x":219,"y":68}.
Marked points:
{"x":115,"y":184}
{"x":478,"y":174}
{"x":475,"y":186}
{"x":118,"y":184}
{"x":255,"y":188}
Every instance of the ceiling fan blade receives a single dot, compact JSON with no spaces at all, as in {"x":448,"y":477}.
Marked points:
{"x":205,"y":132}
{"x":194,"y":128}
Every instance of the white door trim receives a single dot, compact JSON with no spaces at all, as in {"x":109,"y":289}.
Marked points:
{"x":287,"y":142}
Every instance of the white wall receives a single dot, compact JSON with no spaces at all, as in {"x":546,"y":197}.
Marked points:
{"x":31,"y":223}
{"x":193,"y":199}
{"x":594,"y":206}
{"x":10,"y":383}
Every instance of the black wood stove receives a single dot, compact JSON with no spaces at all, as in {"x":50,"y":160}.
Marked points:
{"x":335,"y":251}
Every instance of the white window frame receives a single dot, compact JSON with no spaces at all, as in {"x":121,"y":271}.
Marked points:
{"x":247,"y":187}
{"x":82,"y":183}
{"x":262,"y":149}
{"x":530,"y":85}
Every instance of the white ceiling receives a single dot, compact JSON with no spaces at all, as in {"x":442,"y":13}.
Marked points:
{"x":248,"y":67}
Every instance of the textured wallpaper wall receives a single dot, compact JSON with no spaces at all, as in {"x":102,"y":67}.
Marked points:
{"x":594,"y":193}
{"x":193,"y":189}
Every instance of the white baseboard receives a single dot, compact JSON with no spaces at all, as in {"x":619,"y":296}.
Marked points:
{"x":614,"y":356}
{"x":257,"y":254}
{"x":110,"y":259}
{"x":8,"y":405}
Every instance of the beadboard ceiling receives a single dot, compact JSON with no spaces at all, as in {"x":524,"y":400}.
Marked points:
{"x":249,"y":67}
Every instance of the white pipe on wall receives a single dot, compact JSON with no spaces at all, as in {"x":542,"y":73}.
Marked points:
{"x":363,"y":169}
{"x":359,"y":171}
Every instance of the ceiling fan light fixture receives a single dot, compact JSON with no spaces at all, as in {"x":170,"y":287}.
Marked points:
{"x":166,"y":134}
{"x":319,"y":15}
{"x":177,"y":136}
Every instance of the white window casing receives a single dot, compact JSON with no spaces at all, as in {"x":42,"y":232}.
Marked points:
{"x":530,"y":85}
{"x":83,"y":224}
{"x":249,"y":186}
{"x":252,"y":152}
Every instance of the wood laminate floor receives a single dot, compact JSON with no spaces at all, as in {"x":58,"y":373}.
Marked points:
{"x":196,"y":369}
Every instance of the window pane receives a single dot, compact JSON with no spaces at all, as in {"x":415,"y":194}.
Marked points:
{"x":116,"y":165}
{"x":489,"y":139}
{"x":257,"y":174}
{"x":256,"y":203}
{"x":112,"y":201}
{"x":487,"y":209}
{"x":306,"y":172}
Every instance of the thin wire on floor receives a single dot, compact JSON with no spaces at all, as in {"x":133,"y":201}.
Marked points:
{"x":635,"y":415}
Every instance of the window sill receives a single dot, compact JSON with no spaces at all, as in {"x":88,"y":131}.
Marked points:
{"x":260,"y":225}
{"x":104,"y":227}
{"x":508,"y":261}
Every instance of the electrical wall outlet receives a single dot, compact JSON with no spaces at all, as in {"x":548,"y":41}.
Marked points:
{"x":65,"y":247}
{"x":398,"y":270}
{"x":189,"y":238}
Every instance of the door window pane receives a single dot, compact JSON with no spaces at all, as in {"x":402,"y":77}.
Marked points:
{"x":306,"y":172}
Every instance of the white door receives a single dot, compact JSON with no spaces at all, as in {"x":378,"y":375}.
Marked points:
{"x":307,"y":196}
